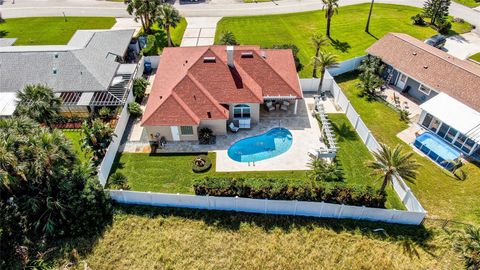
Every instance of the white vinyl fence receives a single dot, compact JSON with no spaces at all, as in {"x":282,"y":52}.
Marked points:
{"x":264,"y":206}
{"x":310,"y":85}
{"x":403,"y":191}
{"x":346,"y":66}
{"x":107,"y":162}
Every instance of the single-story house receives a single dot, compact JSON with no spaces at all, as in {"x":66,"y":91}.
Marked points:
{"x":94,"y":69}
{"x":214,"y":86}
{"x":447,"y":88}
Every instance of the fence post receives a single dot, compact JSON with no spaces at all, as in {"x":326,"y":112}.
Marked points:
{"x":356,"y":121}
{"x":150,"y":197}
{"x":341,"y":211}
{"x":208,"y":201}
{"x":236,"y":204}
{"x":265,"y":206}
{"x":321,"y":208}
{"x":295,"y":208}
{"x":123,"y":196}
{"x":348,"y":107}
{"x":338,"y":92}
{"x":362,"y":213}
{"x":368,"y":138}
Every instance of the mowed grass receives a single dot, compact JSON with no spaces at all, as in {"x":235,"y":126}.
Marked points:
{"x":172,"y":173}
{"x":468,"y":3}
{"x":475,"y":57}
{"x":352,"y":156}
{"x":50,"y":30}
{"x":347,"y":31}
{"x":165,"y":238}
{"x":442,"y":195}
{"x":75,"y":137}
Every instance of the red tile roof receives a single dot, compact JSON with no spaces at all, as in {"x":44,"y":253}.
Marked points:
{"x":188,"y":89}
{"x":431,"y":66}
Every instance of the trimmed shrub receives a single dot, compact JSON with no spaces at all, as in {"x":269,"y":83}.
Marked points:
{"x":134,"y":109}
{"x":444,"y":27}
{"x":104,"y":112}
{"x":139,"y":87}
{"x":118,"y":181}
{"x":284,"y":189}
{"x":201,"y":163}
{"x":228,"y":38}
{"x":418,"y":20}
{"x":205,"y":136}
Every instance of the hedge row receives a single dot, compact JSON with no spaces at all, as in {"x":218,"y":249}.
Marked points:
{"x":284,"y":189}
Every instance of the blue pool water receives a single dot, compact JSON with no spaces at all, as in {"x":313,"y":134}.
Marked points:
{"x":274,"y":142}
{"x":436,"y":149}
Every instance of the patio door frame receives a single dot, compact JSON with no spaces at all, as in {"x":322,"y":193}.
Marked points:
{"x":175,"y":133}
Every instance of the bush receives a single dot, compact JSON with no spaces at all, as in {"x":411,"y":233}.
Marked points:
{"x":284,"y":189}
{"x":321,"y":170}
{"x":139,"y":87}
{"x":404,"y":115}
{"x":118,"y":181}
{"x":134,"y":109}
{"x":458,"y":20}
{"x":104,"y":112}
{"x":205,"y":136}
{"x":228,"y":38}
{"x":444,"y":27}
{"x":418,"y":20}
{"x":152,"y":46}
{"x":201,"y":163}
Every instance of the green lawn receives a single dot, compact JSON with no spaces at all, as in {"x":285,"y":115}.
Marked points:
{"x":166,"y":238}
{"x":50,"y":30}
{"x":172,"y":173}
{"x":348,"y":36}
{"x":75,"y":136}
{"x":442,"y":195}
{"x":352,"y":157}
{"x":475,"y":57}
{"x":468,"y":3}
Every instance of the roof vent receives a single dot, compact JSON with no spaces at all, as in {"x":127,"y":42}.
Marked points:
{"x":54,"y":71}
{"x":247,"y":54}
{"x":56,"y":55}
{"x":208,"y":59}
{"x":264,"y":54}
{"x":425,"y":67}
{"x":160,"y":97}
{"x":414,"y":53}
{"x":209,"y":114}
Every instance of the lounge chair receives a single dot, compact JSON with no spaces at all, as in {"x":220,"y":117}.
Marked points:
{"x":284,"y":106}
{"x":270,"y":106}
{"x":233,"y":128}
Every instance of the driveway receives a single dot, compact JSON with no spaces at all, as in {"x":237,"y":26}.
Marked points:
{"x":212,"y":8}
{"x":462,"y":46}
{"x":200,"y":31}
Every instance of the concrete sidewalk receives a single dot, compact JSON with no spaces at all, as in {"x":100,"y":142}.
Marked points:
{"x":200,"y":31}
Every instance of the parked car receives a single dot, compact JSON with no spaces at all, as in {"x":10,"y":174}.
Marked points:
{"x":437,"y":41}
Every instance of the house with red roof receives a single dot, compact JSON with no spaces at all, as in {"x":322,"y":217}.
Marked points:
{"x":213,"y":86}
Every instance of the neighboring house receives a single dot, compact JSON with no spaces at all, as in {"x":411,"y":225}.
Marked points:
{"x":94,"y":69}
{"x":211,"y":86}
{"x":447,"y":88}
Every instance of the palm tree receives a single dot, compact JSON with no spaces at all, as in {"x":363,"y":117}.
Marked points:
{"x":324,"y":60}
{"x":318,"y":41}
{"x":168,"y":16}
{"x":369,"y":16}
{"x":469,"y":247}
{"x":96,"y":137}
{"x":330,"y":7}
{"x":38,"y":103}
{"x":393,"y":162}
{"x":144,"y":10}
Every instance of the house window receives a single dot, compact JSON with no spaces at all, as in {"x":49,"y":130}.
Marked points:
{"x":186,"y":130}
{"x":241,"y":111}
{"x":422,"y":88}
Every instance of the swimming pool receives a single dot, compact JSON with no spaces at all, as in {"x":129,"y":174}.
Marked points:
{"x":274,"y":142}
{"x":437,"y":149}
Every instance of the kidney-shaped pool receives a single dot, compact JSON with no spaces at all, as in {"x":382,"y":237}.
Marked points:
{"x":274,"y":142}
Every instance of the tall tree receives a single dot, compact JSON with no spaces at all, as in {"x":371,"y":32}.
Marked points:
{"x":39,"y":103}
{"x":44,"y":190}
{"x":97,"y":136}
{"x":367,"y":27}
{"x":318,"y":41}
{"x":436,"y":10}
{"x":330,"y":7}
{"x":389,"y":163}
{"x":168,"y":17}
{"x":145,"y":10}
{"x":324,"y":60}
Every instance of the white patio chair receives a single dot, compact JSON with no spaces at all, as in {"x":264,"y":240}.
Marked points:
{"x":233,"y":128}
{"x":284,"y":106}
{"x":270,"y":106}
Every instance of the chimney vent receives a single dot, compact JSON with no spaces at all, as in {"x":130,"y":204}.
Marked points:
{"x":230,"y":56}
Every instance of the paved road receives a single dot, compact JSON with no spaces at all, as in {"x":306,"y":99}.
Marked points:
{"x":213,"y":8}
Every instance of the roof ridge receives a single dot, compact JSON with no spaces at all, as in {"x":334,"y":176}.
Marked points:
{"x":435,"y":53}
{"x":207,"y":94}
{"x":260,"y":98}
